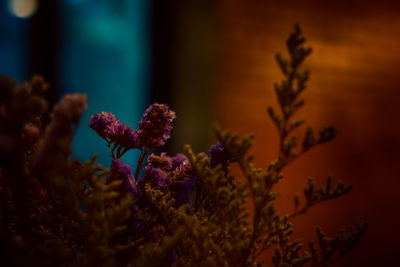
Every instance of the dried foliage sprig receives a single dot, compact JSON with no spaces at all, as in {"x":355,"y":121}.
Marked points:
{"x":185,"y":210}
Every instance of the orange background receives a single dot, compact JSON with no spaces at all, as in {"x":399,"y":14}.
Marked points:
{"x":354,"y":86}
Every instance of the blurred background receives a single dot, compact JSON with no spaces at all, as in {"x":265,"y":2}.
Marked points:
{"x":214,"y":61}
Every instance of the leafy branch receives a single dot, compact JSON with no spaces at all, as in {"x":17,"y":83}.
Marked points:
{"x":268,"y":227}
{"x":314,"y":196}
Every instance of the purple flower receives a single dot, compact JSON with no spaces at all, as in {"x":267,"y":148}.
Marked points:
{"x":100,"y":122}
{"x":185,"y":181}
{"x":179,"y":162}
{"x":122,"y":135}
{"x":158,"y":178}
{"x":183,"y":189}
{"x":124,"y":172}
{"x":169,"y":164}
{"x":183,"y":186}
{"x":156,"y":125}
{"x":172,"y":172}
{"x":218,"y":155}
{"x":163,"y":161}
{"x":113,"y":131}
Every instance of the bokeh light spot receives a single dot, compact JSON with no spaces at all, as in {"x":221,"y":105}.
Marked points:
{"x":23,"y":8}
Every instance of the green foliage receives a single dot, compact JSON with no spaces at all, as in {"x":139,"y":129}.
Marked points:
{"x":54,"y":208}
{"x":56,"y":211}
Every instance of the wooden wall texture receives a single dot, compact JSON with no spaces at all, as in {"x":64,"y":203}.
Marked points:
{"x":355,"y":83}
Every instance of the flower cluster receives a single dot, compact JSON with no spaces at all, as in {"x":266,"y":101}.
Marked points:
{"x":218,"y":155}
{"x":123,"y":135}
{"x":161,"y":172}
{"x":172,"y":173}
{"x":123,"y":172}
{"x":101,"y":121}
{"x":113,"y":131}
{"x":156,"y":125}
{"x":154,"y":129}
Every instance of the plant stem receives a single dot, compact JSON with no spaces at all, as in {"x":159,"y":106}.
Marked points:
{"x":111,"y":148}
{"x":143,"y":153}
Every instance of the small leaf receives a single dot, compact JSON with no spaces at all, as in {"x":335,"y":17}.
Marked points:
{"x":296,"y":201}
{"x":327,"y":134}
{"x":275,"y":118}
{"x":295,"y":125}
{"x":283,"y":65}
{"x":309,"y":139}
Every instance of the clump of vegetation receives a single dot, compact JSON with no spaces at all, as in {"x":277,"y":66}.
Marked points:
{"x":184,"y":210}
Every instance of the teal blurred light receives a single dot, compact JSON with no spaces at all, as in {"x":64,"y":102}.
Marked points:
{"x":13,"y":43}
{"x":105,"y":53}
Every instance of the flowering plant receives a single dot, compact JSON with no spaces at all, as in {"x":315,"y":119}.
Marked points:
{"x":184,"y":210}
